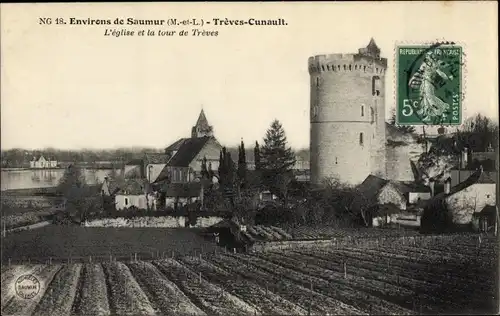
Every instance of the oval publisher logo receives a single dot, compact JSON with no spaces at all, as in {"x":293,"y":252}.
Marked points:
{"x":27,"y":286}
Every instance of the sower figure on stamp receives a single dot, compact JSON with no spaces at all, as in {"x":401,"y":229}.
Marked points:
{"x":430,"y":74}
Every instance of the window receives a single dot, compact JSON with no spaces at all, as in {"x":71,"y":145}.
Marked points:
{"x":362,"y":110}
{"x":336,"y":161}
{"x":126,"y":201}
{"x":317,"y":81}
{"x":361,"y":138}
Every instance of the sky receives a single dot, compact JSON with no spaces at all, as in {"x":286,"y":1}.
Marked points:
{"x":71,"y":87}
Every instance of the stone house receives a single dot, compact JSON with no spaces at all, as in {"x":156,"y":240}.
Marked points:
{"x":39,"y":162}
{"x":386,"y":201}
{"x":479,"y":191}
{"x":455,"y":208}
{"x":177,"y":195}
{"x":128,"y":193}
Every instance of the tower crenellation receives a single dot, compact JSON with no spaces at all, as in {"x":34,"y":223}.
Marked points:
{"x":347,"y":115}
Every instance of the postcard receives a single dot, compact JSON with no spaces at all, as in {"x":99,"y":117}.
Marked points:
{"x":251,"y":158}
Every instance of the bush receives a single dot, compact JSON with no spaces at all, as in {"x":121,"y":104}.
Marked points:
{"x":436,"y":218}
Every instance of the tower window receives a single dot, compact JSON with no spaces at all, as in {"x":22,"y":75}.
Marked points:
{"x":126,"y":201}
{"x":323,"y":67}
{"x":317,"y":81}
{"x":361,"y":139}
{"x":350,"y":67}
{"x":336,"y":161}
{"x":345,"y":68}
{"x":362,"y":110}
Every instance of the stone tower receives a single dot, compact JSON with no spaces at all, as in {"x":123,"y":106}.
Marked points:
{"x":347,"y":115}
{"x":202,"y":128}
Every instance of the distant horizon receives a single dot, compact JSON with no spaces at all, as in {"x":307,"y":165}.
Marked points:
{"x":248,"y":144}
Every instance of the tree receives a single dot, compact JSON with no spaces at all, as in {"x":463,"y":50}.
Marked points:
{"x":242,"y":165}
{"x":204,"y":169}
{"x":226,"y":173}
{"x":78,"y":196}
{"x":277,"y":159}
{"x":406,"y":129}
{"x":256,"y":152}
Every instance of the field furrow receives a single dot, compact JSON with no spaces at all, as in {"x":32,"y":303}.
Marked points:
{"x":417,"y":263}
{"x":93,"y":295}
{"x":213,"y":299}
{"x":451,"y":259}
{"x":59,"y":296}
{"x":386,"y":291}
{"x":408,"y":269}
{"x":165,"y":296}
{"x":126,"y":296}
{"x":425,"y":293}
{"x":349,"y":295}
{"x":24,"y":307}
{"x":268,"y":303}
{"x":315,"y":303}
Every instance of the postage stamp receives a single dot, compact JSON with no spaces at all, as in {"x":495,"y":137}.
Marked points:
{"x":429,"y":84}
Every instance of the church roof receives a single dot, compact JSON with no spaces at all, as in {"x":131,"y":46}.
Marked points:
{"x":188,"y":150}
{"x":176,"y":145}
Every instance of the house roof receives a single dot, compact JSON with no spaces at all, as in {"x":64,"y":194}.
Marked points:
{"x":488,"y":210}
{"x":134,"y":173}
{"x":481,"y":156}
{"x":487,"y":177}
{"x":134,"y":162}
{"x":371,"y":186}
{"x":472,"y":179}
{"x":133,"y":187}
{"x":407,"y":187}
{"x":156,"y":158}
{"x":188,"y":150}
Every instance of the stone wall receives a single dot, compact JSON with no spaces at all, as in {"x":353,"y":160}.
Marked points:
{"x":162,"y":221}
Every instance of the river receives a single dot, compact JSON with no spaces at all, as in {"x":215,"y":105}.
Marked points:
{"x":30,"y":179}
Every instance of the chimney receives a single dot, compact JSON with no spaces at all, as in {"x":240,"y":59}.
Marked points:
{"x":431,"y":185}
{"x":447,"y":186}
{"x":465,"y":158}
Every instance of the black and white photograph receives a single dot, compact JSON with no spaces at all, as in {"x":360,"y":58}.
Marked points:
{"x":249,"y":158}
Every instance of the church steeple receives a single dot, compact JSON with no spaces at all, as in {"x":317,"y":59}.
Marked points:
{"x":202,"y":128}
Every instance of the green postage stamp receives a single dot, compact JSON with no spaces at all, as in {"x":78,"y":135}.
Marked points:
{"x":429,"y":84}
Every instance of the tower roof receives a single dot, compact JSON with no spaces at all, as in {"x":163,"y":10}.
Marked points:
{"x":372,"y":45}
{"x":371,"y":49}
{"x":202,"y":121}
